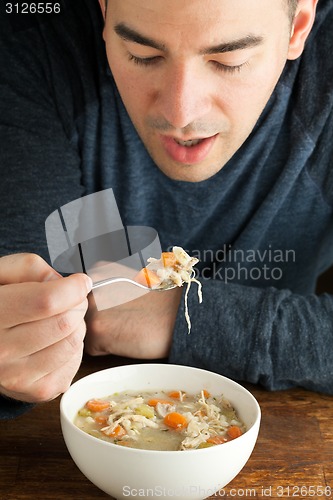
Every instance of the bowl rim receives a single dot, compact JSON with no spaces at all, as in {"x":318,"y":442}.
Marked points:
{"x":66,"y":395}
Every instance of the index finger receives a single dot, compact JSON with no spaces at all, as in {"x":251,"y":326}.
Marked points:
{"x":32,"y":301}
{"x":22,"y":267}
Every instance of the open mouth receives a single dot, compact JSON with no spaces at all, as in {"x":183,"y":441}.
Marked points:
{"x":189,"y":144}
{"x":190,"y":152}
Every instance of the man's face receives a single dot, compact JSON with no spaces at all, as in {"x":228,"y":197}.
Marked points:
{"x":195,"y":75}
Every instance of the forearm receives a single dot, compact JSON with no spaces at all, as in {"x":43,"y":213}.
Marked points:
{"x":266,"y":336}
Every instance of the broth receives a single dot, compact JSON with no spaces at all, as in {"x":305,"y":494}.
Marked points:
{"x":161,"y":420}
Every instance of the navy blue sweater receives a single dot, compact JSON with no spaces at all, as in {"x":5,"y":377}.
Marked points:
{"x":262,"y":226}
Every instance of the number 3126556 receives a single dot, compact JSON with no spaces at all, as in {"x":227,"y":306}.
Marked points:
{"x":33,"y":8}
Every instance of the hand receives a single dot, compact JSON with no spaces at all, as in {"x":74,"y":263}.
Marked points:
{"x":42,"y":328}
{"x":141,"y":328}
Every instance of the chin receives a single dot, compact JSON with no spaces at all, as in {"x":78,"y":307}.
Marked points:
{"x":190,"y":173}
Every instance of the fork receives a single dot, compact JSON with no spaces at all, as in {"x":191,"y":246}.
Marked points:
{"x":110,"y":281}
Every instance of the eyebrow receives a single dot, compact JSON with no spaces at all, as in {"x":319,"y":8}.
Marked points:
{"x":245,"y":42}
{"x":130,"y":35}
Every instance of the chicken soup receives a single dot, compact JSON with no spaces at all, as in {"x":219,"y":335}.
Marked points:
{"x":161,"y":420}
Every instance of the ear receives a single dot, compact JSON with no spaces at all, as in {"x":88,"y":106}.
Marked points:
{"x":301,"y":27}
{"x":103,"y":7}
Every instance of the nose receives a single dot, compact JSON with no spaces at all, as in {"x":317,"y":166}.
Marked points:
{"x":184,"y":96}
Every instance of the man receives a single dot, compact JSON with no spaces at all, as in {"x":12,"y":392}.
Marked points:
{"x":212,"y":123}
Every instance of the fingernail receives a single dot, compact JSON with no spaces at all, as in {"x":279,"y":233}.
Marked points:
{"x":89,"y":283}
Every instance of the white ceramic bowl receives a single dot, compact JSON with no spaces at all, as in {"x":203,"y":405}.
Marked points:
{"x":129,"y":473}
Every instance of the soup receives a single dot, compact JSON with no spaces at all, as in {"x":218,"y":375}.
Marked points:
{"x":161,"y":420}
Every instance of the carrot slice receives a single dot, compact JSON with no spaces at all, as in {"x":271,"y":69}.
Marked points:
{"x":206,"y":393}
{"x":217,"y":439}
{"x":117,"y":432}
{"x":148,"y":278}
{"x":97,"y":405}
{"x":168,"y":259}
{"x":234,"y":431}
{"x":101,"y":419}
{"x":175,"y":420}
{"x":176,"y":394}
{"x":154,"y":401}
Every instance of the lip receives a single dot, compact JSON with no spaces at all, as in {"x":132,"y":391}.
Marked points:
{"x":188,"y":155}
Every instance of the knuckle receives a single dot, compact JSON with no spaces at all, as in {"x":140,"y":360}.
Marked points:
{"x":32,"y":260}
{"x":43,"y":393}
{"x":49,"y":388}
{"x":13,"y":383}
{"x":5,"y":355}
{"x":82,"y":308}
{"x":64,"y":323}
{"x":47,"y":304}
{"x":75,"y":340}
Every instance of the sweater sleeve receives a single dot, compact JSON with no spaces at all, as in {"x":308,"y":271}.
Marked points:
{"x":262,"y":336}
{"x":10,"y":408}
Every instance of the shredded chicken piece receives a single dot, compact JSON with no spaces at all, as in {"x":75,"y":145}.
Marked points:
{"x":197,"y":432}
{"x":131,"y":423}
{"x":178,"y":274}
{"x":163,"y":409}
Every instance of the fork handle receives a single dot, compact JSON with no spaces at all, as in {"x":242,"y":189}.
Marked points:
{"x":109,"y":281}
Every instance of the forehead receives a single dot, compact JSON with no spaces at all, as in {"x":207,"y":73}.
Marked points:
{"x":206,"y":14}
{"x":191,"y":25}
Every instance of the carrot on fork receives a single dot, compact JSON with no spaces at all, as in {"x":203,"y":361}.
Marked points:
{"x":168,"y":259}
{"x":148,"y":278}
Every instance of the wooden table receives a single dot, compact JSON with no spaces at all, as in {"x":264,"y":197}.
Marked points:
{"x":293,"y":457}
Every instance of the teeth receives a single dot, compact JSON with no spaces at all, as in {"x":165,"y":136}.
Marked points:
{"x":188,"y":144}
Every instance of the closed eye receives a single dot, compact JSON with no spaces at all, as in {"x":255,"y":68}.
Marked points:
{"x":145,"y":61}
{"x":228,"y":68}
{"x":154,"y":60}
